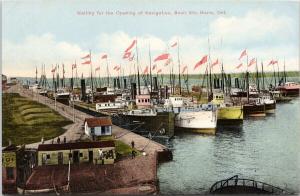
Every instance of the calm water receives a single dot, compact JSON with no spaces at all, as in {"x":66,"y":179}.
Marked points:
{"x":265,"y":149}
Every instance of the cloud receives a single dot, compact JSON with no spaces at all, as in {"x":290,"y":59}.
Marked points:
{"x":266,"y":35}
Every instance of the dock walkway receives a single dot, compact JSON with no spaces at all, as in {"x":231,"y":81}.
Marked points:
{"x":75,"y":131}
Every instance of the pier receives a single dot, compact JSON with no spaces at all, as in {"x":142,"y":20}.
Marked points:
{"x":138,"y":175}
{"x":75,"y":131}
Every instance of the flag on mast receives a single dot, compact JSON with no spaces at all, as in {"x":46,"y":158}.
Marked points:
{"x":86,"y":63}
{"x":184,"y":69}
{"x":252,"y":62}
{"x":173,"y":45}
{"x":244,"y":53}
{"x":202,"y":61}
{"x":162,"y":57}
{"x":131,"y":46}
{"x":146,"y":70}
{"x":240,"y":65}
{"x":87,"y":56}
{"x":215,"y":63}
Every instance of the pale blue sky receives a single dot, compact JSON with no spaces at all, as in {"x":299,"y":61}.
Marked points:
{"x":22,"y":19}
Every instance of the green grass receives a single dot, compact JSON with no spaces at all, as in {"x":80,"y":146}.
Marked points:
{"x":121,"y":148}
{"x":25,"y":121}
{"x":124,"y":149}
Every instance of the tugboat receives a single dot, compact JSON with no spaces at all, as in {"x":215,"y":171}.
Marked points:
{"x":289,"y":89}
{"x":197,"y":119}
{"x":227,"y":113}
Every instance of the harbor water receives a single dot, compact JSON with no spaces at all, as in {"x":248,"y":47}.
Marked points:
{"x":264,"y":149}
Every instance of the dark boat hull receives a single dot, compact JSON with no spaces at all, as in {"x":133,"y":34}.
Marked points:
{"x":254,"y":110}
{"x":162,"y":124}
{"x":270,"y":108}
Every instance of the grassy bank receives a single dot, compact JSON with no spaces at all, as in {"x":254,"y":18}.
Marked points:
{"x":25,"y":121}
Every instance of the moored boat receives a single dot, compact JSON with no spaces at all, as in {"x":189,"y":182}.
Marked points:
{"x":198,"y":120}
{"x":289,"y":89}
{"x":226,"y":112}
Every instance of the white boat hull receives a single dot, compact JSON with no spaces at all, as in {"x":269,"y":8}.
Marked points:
{"x":198,"y":121}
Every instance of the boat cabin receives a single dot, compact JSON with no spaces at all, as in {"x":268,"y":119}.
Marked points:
{"x":143,"y":101}
{"x":99,"y":126}
{"x":174,"y":101}
{"x":100,"y":152}
{"x":109,"y":105}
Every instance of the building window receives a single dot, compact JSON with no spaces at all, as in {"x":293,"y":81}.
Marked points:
{"x":10,"y":173}
{"x":80,"y":154}
{"x":48,"y":156}
{"x":93,"y":130}
{"x":70,"y":155}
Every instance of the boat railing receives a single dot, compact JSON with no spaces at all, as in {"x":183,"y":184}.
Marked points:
{"x":235,"y":181}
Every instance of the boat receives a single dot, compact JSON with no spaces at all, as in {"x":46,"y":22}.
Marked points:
{"x":109,"y":105}
{"x":255,"y":108}
{"x":62,"y":96}
{"x":289,"y":89}
{"x":147,"y":120}
{"x":270,"y":104}
{"x":277,"y":95}
{"x":227,"y":113}
{"x":197,"y":119}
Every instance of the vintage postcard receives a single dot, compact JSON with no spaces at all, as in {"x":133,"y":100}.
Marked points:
{"x":150,"y":97}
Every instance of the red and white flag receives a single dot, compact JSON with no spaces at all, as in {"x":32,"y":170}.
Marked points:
{"x":97,"y":69}
{"x":215,"y":63}
{"x":173,"y":45}
{"x":159,"y":71}
{"x":271,"y":62}
{"x":240,"y":65}
{"x":127,"y":55}
{"x":252,"y":62}
{"x":85,"y":57}
{"x":146,"y":70}
{"x":162,"y":57}
{"x":168,"y":61}
{"x":53,"y":70}
{"x":86,"y":63}
{"x":131,"y":58}
{"x":202,"y":61}
{"x":184,"y":69}
{"x":131,"y":46}
{"x":154,"y":66}
{"x":244,"y":53}
{"x":104,"y":56}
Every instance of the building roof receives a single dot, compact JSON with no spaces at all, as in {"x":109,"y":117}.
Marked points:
{"x":76,"y":145}
{"x":100,"y":121}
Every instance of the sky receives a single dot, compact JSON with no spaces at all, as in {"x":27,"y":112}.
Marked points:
{"x":36,"y":33}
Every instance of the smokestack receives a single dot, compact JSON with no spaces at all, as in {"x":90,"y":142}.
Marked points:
{"x":166,"y":92}
{"x":118,"y":83}
{"x":155,"y":84}
{"x":83,"y":93}
{"x":125,"y":83}
{"x":133,"y":90}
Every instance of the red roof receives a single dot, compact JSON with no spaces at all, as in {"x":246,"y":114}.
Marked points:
{"x":100,"y":121}
{"x":76,"y":145}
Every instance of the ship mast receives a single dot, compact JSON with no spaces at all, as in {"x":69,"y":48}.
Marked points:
{"x":179,"y":78}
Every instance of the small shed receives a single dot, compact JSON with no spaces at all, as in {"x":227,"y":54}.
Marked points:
{"x":98,"y":126}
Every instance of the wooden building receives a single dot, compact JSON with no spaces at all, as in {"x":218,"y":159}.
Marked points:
{"x":99,"y":126}
{"x":80,"y":152}
{"x":17,"y":164}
